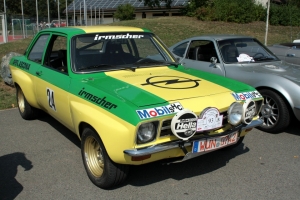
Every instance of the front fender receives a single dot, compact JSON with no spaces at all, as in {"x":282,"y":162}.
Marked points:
{"x":115,"y":133}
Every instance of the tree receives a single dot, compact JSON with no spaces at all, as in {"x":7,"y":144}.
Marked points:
{"x":124,"y":12}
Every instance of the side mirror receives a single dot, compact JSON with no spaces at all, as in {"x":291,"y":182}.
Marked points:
{"x":213,"y":60}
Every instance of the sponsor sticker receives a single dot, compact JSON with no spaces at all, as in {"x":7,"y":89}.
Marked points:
{"x":21,"y":64}
{"x":209,"y":119}
{"x":159,"y":111}
{"x":246,"y":95}
{"x":184,"y":124}
{"x":249,"y":111}
{"x":113,"y":37}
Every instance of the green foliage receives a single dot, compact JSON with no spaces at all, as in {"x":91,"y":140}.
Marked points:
{"x":124,"y":12}
{"x":286,"y":15}
{"x":238,"y":11}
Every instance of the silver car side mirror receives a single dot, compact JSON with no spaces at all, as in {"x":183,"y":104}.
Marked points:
{"x":213,"y":60}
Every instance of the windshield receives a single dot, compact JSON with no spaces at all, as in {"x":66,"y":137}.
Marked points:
{"x":115,"y":51}
{"x":244,"y":50}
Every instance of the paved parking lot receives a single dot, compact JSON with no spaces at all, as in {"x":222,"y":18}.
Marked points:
{"x":41,"y":159}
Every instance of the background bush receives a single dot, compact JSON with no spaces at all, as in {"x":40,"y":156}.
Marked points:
{"x":286,"y":15}
{"x":244,"y":11}
{"x":124,"y":12}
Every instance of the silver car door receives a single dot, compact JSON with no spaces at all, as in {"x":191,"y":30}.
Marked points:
{"x":199,"y":54}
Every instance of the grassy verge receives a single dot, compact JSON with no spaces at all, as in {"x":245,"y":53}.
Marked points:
{"x":170,"y":30}
{"x":7,"y":96}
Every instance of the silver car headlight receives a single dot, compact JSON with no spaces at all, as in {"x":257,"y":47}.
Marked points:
{"x":235,"y":113}
{"x":146,"y":132}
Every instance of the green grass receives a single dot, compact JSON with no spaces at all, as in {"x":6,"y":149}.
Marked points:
{"x":170,"y":30}
{"x":7,"y":96}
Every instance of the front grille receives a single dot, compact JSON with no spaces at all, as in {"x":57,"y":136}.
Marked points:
{"x":166,"y":126}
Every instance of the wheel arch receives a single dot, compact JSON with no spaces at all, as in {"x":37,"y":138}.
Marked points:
{"x":288,"y":101}
{"x":114,"y":132}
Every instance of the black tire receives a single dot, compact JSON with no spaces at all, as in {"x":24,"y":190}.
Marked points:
{"x":101,"y":170}
{"x":234,"y":145}
{"x":275,"y":112}
{"x":26,"y":110}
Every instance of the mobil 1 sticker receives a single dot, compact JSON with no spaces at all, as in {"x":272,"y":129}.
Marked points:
{"x":159,"y":111}
{"x":184,"y":124}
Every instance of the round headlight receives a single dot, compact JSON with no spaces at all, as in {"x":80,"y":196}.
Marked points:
{"x":146,"y":133}
{"x":235,"y":113}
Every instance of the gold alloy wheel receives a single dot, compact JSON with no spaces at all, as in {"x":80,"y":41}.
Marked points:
{"x":94,"y":156}
{"x":21,"y":101}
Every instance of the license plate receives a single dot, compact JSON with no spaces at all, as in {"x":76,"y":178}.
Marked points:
{"x":209,"y":144}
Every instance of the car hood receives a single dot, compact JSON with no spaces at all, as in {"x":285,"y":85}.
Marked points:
{"x":151,"y":86}
{"x":282,"y":69}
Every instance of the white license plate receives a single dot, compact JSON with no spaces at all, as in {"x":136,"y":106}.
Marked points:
{"x":209,"y":144}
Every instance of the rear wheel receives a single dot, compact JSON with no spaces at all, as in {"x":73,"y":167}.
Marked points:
{"x":101,"y":170}
{"x":26,"y":110}
{"x":274,"y":113}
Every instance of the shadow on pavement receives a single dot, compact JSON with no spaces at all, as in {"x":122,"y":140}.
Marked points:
{"x":60,"y":128}
{"x":10,"y":188}
{"x":294,"y":128}
{"x":159,"y":171}
{"x":155,"y":172}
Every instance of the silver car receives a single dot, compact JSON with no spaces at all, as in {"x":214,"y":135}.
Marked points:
{"x":245,"y":59}
{"x":289,"y":52}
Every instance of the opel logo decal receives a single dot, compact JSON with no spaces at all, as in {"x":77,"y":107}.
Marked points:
{"x":172,"y":82}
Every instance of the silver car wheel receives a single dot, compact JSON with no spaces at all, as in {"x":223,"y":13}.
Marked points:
{"x":269,"y":113}
{"x":275,"y":112}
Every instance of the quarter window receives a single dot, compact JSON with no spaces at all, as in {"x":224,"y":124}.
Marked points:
{"x":180,"y":49}
{"x":37,"y":51}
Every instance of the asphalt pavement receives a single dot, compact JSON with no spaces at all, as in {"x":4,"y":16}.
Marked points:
{"x":40,"y":159}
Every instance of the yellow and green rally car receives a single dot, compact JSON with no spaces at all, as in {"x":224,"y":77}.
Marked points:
{"x":124,"y":95}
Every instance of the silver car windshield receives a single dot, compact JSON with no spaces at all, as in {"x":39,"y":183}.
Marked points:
{"x":117,"y":51}
{"x":244,"y":50}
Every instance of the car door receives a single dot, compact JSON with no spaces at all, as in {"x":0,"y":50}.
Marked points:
{"x":197,"y":54}
{"x":53,"y":82}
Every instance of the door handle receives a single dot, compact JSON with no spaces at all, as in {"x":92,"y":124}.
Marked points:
{"x":39,"y":73}
{"x":290,"y":55}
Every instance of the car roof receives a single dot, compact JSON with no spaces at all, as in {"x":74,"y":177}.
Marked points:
{"x":219,"y":37}
{"x":75,"y":30}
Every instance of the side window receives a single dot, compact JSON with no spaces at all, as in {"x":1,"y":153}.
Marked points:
{"x":37,"y":51}
{"x":57,"y":54}
{"x":180,"y":49}
{"x":202,"y":50}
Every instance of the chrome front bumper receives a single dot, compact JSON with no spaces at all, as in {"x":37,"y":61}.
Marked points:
{"x":182,"y":144}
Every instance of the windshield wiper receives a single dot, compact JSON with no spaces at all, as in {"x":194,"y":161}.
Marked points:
{"x":263,"y":58}
{"x":96,"y":66}
{"x":146,"y":61}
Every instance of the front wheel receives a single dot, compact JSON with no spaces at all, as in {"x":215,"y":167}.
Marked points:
{"x":26,"y":110}
{"x":101,"y":170}
{"x":274,"y":113}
